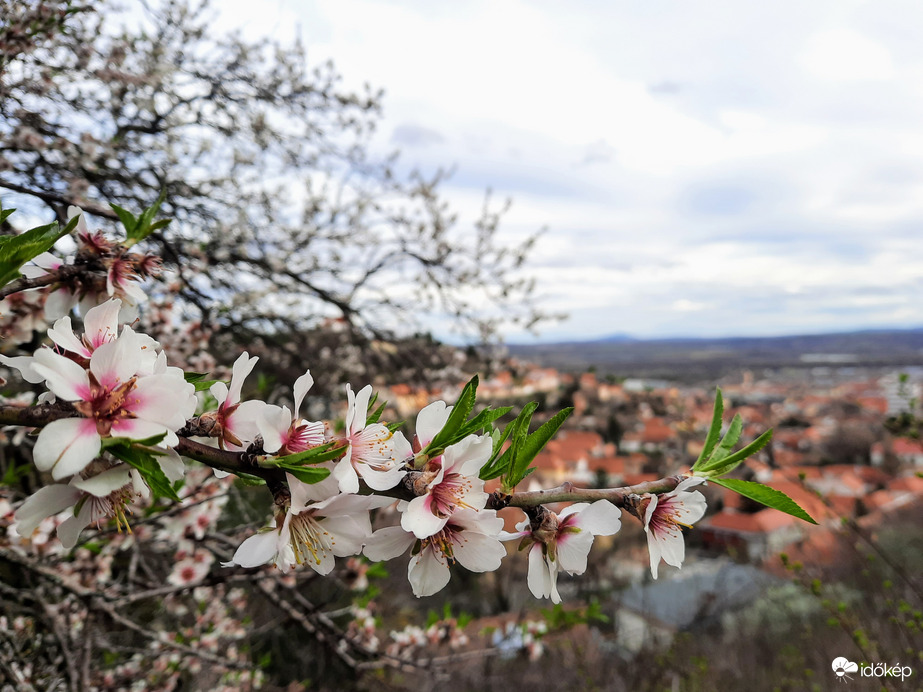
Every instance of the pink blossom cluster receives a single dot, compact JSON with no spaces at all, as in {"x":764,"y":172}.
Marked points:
{"x":119,"y":387}
{"x":209,"y":619}
{"x":109,"y":269}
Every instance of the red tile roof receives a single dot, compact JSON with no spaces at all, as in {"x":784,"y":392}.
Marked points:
{"x":764,"y":521}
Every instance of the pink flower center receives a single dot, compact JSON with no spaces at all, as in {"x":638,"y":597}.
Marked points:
{"x":303,"y":437}
{"x":107,"y":404}
{"x":371,"y":447}
{"x":449,"y":495}
{"x":665,"y":518}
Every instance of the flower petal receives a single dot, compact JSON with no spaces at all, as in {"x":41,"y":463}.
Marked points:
{"x":45,"y":502}
{"x":688,"y":508}
{"x":359,"y":410}
{"x":104,"y":483}
{"x":430,"y":420}
{"x":572,"y":551}
{"x":62,"y":376}
{"x":601,"y":518}
{"x":243,"y":366}
{"x":419,"y":518}
{"x":62,"y":333}
{"x":542,"y":578}
{"x":137,"y":429}
{"x":65,"y":447}
{"x":388,"y":543}
{"x":479,"y":553}
{"x":219,"y":390}
{"x":101,"y":324}
{"x":172,"y":465}
{"x":672,"y":548}
{"x":349,"y":535}
{"x":243,"y":422}
{"x":114,"y":363}
{"x":381,"y":479}
{"x":70,"y":528}
{"x":24,"y":365}
{"x":273,"y":424}
{"x":256,"y":550}
{"x":346,"y":475}
{"x":428,"y":573}
{"x":302,"y":385}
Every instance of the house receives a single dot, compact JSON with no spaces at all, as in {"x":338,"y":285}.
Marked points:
{"x":652,"y":613}
{"x":754,"y":536}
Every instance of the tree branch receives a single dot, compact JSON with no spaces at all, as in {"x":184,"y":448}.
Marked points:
{"x":62,"y":274}
{"x":242,"y":463}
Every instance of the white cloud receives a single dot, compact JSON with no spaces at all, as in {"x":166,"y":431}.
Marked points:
{"x":775,"y":185}
{"x":845,"y":55}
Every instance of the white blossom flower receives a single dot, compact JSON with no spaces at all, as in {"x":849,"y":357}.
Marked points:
{"x":113,"y":400}
{"x":284,"y":432}
{"x":312,"y":533}
{"x":563,"y":542}
{"x":102,"y":496}
{"x":468,"y":537}
{"x":62,"y":299}
{"x":100,"y":326}
{"x":663,"y":517}
{"x":450,"y":482}
{"x":237,"y":420}
{"x":371,"y":452}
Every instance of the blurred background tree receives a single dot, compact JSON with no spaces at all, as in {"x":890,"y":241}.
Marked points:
{"x":290,"y":236}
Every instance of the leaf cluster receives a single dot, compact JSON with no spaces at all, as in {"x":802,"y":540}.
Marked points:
{"x":142,"y":456}
{"x":138,"y":228}
{"x":512,"y":461}
{"x":16,"y":250}
{"x":717,"y":459}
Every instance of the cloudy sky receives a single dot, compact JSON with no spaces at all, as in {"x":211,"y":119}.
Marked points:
{"x":702,"y":168}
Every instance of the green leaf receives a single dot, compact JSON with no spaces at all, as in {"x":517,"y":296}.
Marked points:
{"x":17,"y":250}
{"x":375,"y":415}
{"x":145,"y":461}
{"x":518,"y":437}
{"x":460,"y":412}
{"x":730,"y":437}
{"x":194,"y":376}
{"x":537,"y":440}
{"x":315,"y":455}
{"x":714,"y":430}
{"x":498,"y":463}
{"x":765,"y":495}
{"x":157,"y":225}
{"x":198,"y":380}
{"x":15,"y":473}
{"x":483,"y":420}
{"x":728,"y":463}
{"x":248,"y":480}
{"x":129,"y":222}
{"x":139,"y":228}
{"x":151,"y":441}
{"x":727,"y":443}
{"x":311,"y":474}
{"x":5,"y":213}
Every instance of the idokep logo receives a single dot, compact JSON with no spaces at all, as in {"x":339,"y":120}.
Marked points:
{"x":842,"y":667}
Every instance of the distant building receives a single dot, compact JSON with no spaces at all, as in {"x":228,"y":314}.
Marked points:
{"x":704,"y":591}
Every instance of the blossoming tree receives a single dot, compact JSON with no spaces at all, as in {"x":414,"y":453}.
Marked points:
{"x":118,"y":422}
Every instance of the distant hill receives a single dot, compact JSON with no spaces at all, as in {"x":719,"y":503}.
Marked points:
{"x":691,"y":359}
